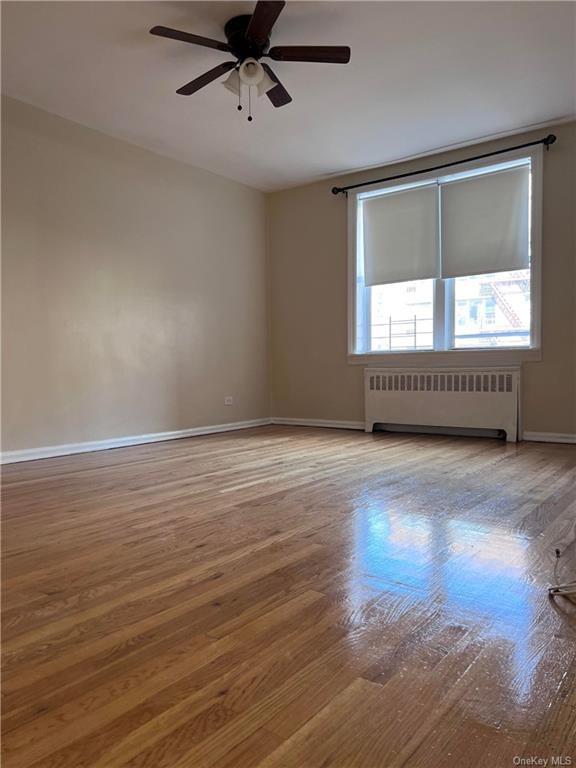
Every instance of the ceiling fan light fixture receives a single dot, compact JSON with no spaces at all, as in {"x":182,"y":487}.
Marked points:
{"x":232,"y":82}
{"x":251,"y":72}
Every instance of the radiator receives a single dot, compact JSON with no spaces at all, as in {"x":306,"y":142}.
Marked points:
{"x":486,"y":398}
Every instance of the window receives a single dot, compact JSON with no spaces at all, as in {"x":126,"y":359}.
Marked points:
{"x":448,"y":263}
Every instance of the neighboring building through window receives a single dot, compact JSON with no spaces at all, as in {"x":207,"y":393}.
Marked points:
{"x":492,"y":310}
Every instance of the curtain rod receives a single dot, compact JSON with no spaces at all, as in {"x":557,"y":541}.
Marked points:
{"x":547,"y":140}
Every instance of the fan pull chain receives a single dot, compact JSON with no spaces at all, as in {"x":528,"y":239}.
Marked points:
{"x":249,"y":103}
{"x":239,"y":107}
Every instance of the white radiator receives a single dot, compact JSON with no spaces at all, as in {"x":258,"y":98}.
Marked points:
{"x":486,"y":398}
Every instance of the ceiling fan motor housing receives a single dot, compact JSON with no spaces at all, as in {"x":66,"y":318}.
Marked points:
{"x":235,"y":31}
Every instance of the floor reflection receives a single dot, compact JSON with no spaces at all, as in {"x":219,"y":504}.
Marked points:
{"x":477,"y":575}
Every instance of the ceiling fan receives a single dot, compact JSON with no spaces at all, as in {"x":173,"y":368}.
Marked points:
{"x":248,"y":40}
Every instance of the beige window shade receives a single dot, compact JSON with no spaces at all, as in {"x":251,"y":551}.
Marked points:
{"x":485,"y":223}
{"x":400,"y":236}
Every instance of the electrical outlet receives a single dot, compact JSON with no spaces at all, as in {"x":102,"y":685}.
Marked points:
{"x":228,"y":400}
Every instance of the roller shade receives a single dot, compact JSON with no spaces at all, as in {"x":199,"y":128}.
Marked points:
{"x":485,"y":223}
{"x":400,"y":236}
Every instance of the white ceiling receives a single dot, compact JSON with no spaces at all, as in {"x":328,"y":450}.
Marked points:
{"x":423,"y":75}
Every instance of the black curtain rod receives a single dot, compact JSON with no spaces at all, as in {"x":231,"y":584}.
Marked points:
{"x":547,"y":140}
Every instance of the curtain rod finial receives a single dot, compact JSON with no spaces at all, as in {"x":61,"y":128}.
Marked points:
{"x":550,"y":139}
{"x":336,"y":190}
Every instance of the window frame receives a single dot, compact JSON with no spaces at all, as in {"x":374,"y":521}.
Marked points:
{"x":444,"y":356}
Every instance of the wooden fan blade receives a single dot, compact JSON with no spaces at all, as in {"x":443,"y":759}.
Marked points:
{"x":278,"y":95}
{"x":328,"y":54}
{"x":186,"y":37}
{"x":262,"y":21}
{"x":206,"y":78}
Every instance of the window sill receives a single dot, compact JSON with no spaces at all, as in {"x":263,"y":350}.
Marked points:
{"x":453,"y":357}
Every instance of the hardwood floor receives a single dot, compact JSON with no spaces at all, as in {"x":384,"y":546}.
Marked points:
{"x":288,"y":597}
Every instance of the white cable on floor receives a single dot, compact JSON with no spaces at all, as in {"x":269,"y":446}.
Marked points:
{"x":567,"y":590}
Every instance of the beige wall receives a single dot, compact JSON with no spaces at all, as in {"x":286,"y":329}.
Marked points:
{"x":135,"y":299}
{"x":307,"y":232}
{"x":134,"y":295}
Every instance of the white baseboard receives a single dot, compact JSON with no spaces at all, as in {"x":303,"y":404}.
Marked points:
{"x":31,"y":454}
{"x":318,"y":423}
{"x":549,"y":437}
